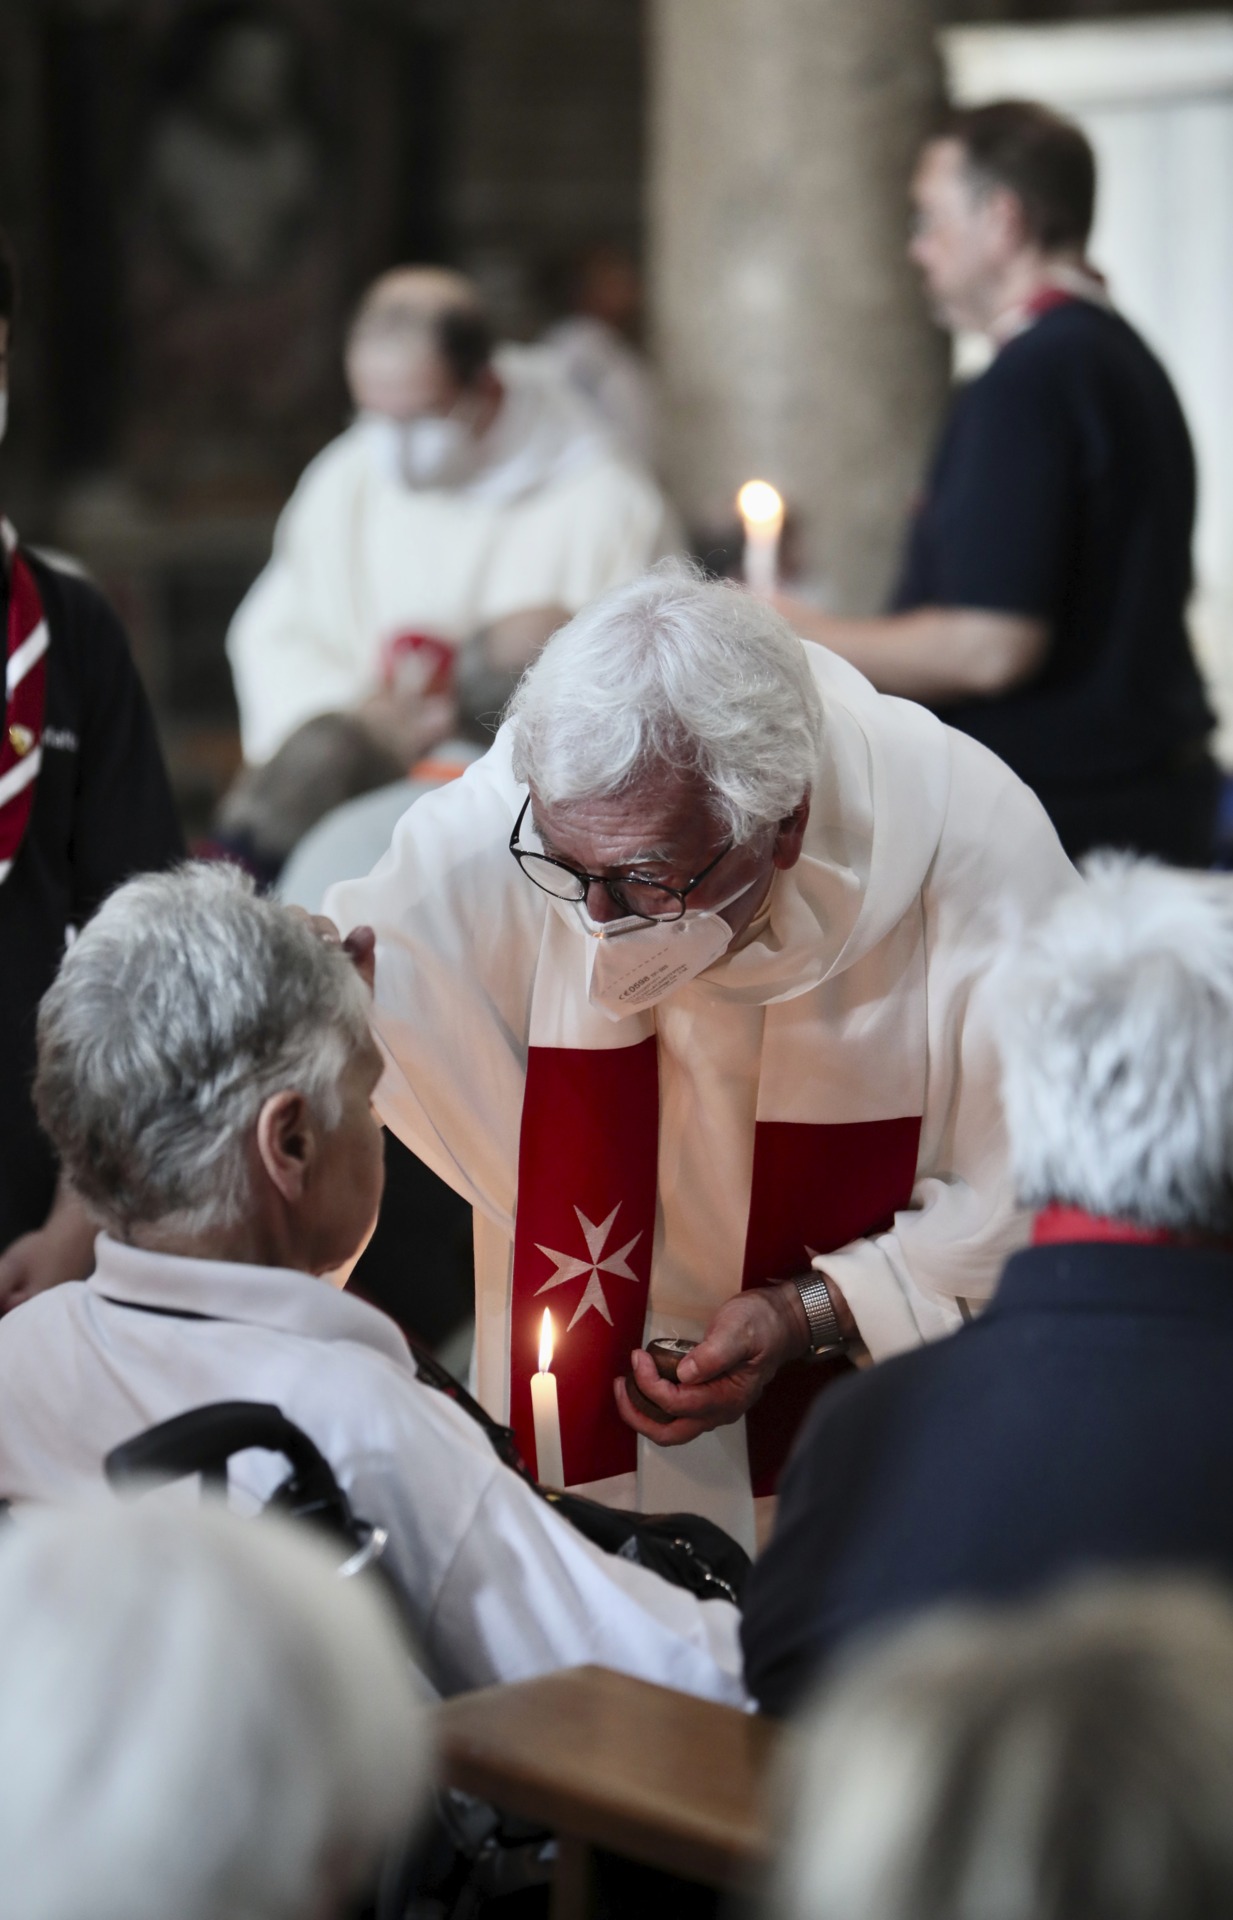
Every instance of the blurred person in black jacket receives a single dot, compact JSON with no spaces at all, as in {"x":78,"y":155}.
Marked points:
{"x":84,"y":803}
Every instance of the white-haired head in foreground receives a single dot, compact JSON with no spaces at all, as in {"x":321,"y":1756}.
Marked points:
{"x":1115,"y":1027}
{"x":184,"y":1004}
{"x":676,"y":670}
{"x":198,"y":1719}
{"x":1072,"y":1760}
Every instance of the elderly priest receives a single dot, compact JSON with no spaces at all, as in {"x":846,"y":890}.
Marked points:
{"x":676,"y":986}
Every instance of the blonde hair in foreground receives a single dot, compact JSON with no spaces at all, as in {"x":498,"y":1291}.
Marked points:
{"x":198,"y":1719}
{"x":1067,"y":1761}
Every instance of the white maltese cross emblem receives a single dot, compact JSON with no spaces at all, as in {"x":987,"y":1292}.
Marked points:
{"x":570,"y":1267}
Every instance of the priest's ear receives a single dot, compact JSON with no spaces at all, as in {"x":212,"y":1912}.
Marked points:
{"x":790,"y":834}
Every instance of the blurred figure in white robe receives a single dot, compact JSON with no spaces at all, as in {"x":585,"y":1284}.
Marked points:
{"x":473,"y":483}
{"x":597,"y":295}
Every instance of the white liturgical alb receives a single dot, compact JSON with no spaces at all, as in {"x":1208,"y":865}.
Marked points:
{"x":553,"y":516}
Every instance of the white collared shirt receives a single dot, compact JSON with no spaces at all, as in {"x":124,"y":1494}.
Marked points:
{"x":497,"y":1586}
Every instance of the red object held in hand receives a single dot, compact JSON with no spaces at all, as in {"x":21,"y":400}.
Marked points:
{"x":417,"y":663}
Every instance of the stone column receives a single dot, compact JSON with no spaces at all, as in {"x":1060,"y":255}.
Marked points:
{"x":791,"y":335}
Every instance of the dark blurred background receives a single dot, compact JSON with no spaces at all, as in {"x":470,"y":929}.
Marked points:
{"x":197,"y":193}
{"x":197,"y":190}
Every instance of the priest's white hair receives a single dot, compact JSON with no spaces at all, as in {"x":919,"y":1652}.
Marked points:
{"x":1115,"y":1022}
{"x":181,"y":1007}
{"x":680,"y":670}
{"x":198,"y":1719}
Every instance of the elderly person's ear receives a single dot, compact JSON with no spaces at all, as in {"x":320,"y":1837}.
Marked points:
{"x":287,"y":1142}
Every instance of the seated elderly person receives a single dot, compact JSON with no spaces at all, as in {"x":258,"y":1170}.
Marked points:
{"x":205,"y":1073}
{"x":1086,"y":1418}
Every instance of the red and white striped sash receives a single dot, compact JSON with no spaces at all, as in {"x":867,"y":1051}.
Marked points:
{"x":25,"y":696}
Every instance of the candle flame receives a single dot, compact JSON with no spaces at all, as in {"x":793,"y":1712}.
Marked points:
{"x":759,"y":504}
{"x":545,"y":1343}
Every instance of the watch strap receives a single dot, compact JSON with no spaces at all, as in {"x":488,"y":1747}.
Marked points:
{"x":825,"y":1332}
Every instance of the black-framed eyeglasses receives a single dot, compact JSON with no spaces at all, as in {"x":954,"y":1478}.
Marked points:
{"x":632,"y":893}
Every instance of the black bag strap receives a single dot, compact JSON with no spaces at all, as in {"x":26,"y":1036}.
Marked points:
{"x":682,"y":1547}
{"x":502,"y":1440}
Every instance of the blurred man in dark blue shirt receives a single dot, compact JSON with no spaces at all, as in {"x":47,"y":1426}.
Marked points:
{"x":1041,"y":604}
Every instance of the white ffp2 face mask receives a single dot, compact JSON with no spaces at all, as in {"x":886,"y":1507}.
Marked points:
{"x":432,"y":451}
{"x":632,"y":963}
{"x":437,"y":451}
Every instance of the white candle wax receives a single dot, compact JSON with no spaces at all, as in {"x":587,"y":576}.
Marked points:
{"x":549,"y":1468}
{"x":761,"y":511}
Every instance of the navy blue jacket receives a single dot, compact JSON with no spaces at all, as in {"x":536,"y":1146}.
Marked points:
{"x":1086,"y":1419}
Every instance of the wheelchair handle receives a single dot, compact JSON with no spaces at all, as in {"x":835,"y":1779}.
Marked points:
{"x":204,"y":1439}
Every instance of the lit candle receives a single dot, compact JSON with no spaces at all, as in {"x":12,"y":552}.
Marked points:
{"x":549,"y":1469}
{"x":761,"y":511}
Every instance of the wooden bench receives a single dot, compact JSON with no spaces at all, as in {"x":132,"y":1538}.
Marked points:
{"x":606,"y":1761}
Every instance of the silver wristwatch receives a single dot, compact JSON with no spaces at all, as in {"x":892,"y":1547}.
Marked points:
{"x":825,"y":1332}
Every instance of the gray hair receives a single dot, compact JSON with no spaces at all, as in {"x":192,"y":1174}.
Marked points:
{"x":677,"y":670}
{"x":1069,"y":1761}
{"x":198,"y":1718}
{"x":1115,"y":1024}
{"x":182,"y":1006}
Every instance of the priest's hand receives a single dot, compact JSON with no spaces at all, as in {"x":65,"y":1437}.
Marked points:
{"x":360,"y":945}
{"x":751,"y":1337}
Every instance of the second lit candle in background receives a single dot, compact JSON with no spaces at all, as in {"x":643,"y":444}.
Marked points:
{"x":761,"y":509}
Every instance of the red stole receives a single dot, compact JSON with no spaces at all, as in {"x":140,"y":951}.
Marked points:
{"x":815,"y":1188}
{"x":587,"y":1196}
{"x":587,"y":1181}
{"x":21,"y":752}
